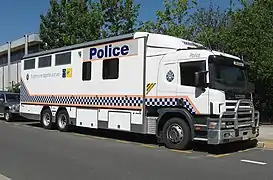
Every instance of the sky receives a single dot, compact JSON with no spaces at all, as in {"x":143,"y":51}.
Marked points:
{"x":19,"y":17}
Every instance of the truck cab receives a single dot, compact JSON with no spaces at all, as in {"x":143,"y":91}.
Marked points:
{"x":216,"y":97}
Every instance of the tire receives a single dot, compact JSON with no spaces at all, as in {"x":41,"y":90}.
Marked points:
{"x":46,"y":119}
{"x":176,"y":127}
{"x":63,"y":121}
{"x":7,"y":116}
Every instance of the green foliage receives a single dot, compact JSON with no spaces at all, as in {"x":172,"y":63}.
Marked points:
{"x":119,"y":17}
{"x":172,"y":20}
{"x":246,"y":31}
{"x":70,"y":22}
{"x":76,"y":21}
{"x":15,"y":88}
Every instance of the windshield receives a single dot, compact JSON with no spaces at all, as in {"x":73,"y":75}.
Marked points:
{"x":230,"y":76}
{"x":227,"y":73}
{"x":12,"y":97}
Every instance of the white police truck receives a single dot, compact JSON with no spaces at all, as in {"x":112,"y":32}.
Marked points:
{"x":144,"y":83}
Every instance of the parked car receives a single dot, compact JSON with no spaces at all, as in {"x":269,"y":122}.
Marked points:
{"x":9,"y":105}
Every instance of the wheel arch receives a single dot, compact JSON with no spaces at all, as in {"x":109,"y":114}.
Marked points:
{"x":168,"y":113}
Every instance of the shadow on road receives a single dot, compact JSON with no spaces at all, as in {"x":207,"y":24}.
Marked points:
{"x":150,"y":139}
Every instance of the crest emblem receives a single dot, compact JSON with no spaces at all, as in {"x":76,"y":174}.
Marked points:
{"x":170,"y":76}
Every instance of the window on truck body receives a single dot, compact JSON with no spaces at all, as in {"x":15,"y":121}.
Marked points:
{"x":63,"y":58}
{"x":188,"y":69}
{"x":86,"y":71}
{"x":29,"y":64}
{"x":110,"y":68}
{"x":44,"y":61}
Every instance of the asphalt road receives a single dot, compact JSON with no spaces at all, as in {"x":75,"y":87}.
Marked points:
{"x":32,"y":153}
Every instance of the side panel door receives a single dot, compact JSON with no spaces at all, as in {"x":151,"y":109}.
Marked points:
{"x":196,"y":100}
{"x":168,"y":79}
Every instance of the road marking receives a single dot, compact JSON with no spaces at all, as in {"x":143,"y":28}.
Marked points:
{"x":97,"y":137}
{"x":121,"y":141}
{"x":253,"y":162}
{"x":246,"y":150}
{"x":81,"y":135}
{"x":180,"y":151}
{"x":218,"y":156}
{"x":2,"y":177}
{"x":147,"y":145}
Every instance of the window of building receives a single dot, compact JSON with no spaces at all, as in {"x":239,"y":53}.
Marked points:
{"x":29,"y":64}
{"x":3,"y":59}
{"x":86,"y":71}
{"x":34,"y":49}
{"x":110,"y":68}
{"x":17,"y":55}
{"x":188,"y":70}
{"x":44,"y":61}
{"x":63,"y":58}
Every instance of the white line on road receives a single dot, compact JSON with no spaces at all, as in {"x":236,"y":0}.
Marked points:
{"x":254,"y":162}
{"x":2,"y":177}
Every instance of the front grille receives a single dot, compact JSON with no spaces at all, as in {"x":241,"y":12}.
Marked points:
{"x":244,"y":113}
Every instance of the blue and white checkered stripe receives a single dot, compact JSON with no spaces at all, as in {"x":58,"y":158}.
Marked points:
{"x":121,"y":101}
{"x":170,"y":102}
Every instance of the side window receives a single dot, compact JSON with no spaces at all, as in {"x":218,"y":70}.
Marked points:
{"x":63,"y":58}
{"x":86,"y":71}
{"x":110,"y":69}
{"x":29,"y":64}
{"x":44,"y":61}
{"x":188,"y":70}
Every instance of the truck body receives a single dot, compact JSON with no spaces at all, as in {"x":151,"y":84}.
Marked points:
{"x":144,"y":83}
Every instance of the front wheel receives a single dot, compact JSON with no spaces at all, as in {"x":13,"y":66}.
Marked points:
{"x":7,"y":116}
{"x":176,"y":134}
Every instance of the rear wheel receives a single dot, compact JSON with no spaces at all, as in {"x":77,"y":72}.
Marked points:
{"x":63,"y":120}
{"x":46,"y":119}
{"x":176,"y":134}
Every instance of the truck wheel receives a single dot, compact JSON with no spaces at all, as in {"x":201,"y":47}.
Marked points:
{"x":63,"y":121}
{"x":176,"y":134}
{"x":46,"y":119}
{"x":7,"y":116}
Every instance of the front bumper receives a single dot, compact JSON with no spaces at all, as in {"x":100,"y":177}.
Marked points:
{"x":232,"y":135}
{"x":231,"y":126}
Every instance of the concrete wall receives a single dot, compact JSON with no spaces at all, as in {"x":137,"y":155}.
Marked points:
{"x":31,"y":42}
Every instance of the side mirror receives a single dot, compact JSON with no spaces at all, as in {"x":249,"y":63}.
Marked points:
{"x":2,"y":100}
{"x":200,"y":79}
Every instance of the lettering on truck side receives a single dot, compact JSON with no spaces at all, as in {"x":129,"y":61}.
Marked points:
{"x":108,"y":51}
{"x":111,"y":50}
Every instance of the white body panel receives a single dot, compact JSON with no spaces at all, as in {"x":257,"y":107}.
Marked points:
{"x":118,"y":103}
{"x":87,"y":118}
{"x":119,"y":120}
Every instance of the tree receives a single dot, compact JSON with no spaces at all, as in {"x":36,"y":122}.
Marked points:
{"x":120,"y":17}
{"x":70,"y":22}
{"x":209,"y":25}
{"x":173,"y":20}
{"x":251,"y":35}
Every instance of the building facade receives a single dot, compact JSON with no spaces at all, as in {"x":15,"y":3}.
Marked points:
{"x":10,"y":58}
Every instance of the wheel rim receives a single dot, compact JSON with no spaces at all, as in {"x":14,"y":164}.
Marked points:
{"x":175,"y":133}
{"x":46,"y":119}
{"x":62,"y":121}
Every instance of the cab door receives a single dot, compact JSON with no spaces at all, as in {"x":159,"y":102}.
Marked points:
{"x":196,"y":100}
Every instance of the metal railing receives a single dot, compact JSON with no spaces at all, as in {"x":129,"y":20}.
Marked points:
{"x":241,"y":113}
